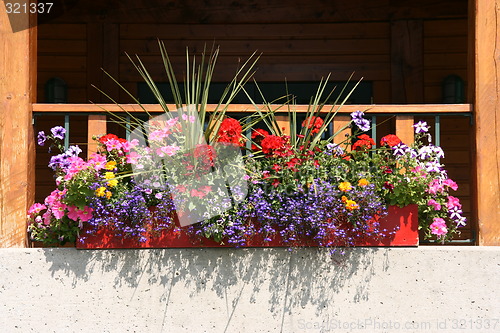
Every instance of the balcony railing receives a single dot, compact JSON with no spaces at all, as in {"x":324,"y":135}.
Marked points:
{"x":404,"y":115}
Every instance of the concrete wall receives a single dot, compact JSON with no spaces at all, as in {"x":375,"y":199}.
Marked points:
{"x":426,"y":289}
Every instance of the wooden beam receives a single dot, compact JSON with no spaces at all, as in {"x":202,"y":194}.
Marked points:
{"x":18,"y":40}
{"x":487,"y":118}
{"x":368,"y":108}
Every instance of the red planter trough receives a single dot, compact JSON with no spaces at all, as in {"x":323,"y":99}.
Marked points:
{"x":405,"y":218}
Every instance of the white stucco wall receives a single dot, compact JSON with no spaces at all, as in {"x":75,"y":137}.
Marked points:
{"x":426,"y":289}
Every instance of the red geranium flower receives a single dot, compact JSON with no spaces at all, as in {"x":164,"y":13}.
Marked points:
{"x":206,"y":154}
{"x":313,"y":122}
{"x":259,"y":133}
{"x":391,"y":140}
{"x":230,"y":132}
{"x":107,"y":137}
{"x":257,"y":136}
{"x":271,"y":143}
{"x":364,"y":143}
{"x":292,"y":163}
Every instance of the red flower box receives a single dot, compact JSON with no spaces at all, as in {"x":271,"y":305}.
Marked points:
{"x":405,"y":218}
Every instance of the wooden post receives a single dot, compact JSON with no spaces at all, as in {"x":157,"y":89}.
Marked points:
{"x":96,"y":126}
{"x":486,"y":102}
{"x":284,"y":124}
{"x":339,"y":122}
{"x":18,"y":40}
{"x":405,"y":130}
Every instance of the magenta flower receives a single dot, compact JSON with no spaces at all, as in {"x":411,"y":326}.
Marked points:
{"x":157,"y":135}
{"x":453,"y":202}
{"x":167,"y":150}
{"x":133,"y":157}
{"x":36,"y":208}
{"x":435,"y":186}
{"x":451,"y":184}
{"x":47,"y":217}
{"x":434,"y":204}
{"x":98,"y":161}
{"x":86,"y":214}
{"x":83,"y":215}
{"x":54,"y":197}
{"x":112,"y":144}
{"x":438,"y":227}
{"x":129,"y":145}
{"x":73,"y":213}
{"x":58,"y":209}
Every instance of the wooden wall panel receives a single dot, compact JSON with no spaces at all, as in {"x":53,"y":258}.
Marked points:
{"x":445,"y":53}
{"x":301,"y":52}
{"x":62,"y":52}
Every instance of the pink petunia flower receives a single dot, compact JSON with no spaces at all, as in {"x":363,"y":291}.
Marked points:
{"x":453,"y":202}
{"x":434,"y":204}
{"x":47,"y":217}
{"x":86,"y":214}
{"x":73,"y":213}
{"x":133,"y":157}
{"x":55,"y":196}
{"x":167,"y":150}
{"x":129,"y":145}
{"x":58,"y":209}
{"x":435,"y":186}
{"x":98,"y":161}
{"x":36,"y":208}
{"x":438,"y":227}
{"x":112,"y":144}
{"x":451,"y":184}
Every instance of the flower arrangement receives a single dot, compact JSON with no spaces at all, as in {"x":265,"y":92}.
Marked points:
{"x":325,"y":194}
{"x":174,"y":176}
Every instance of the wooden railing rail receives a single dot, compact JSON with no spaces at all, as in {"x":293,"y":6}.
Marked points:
{"x":369,"y":108}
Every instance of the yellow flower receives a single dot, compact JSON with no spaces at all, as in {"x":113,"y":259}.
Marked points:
{"x":110,"y":165}
{"x":112,"y":183}
{"x":108,"y":194}
{"x":351,"y":205}
{"x":344,"y":198}
{"x":109,"y":175}
{"x":345,"y":186}
{"x":363,"y":182}
{"x":101,"y":191}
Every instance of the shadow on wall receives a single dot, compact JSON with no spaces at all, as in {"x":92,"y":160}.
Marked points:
{"x":291,"y":278}
{"x":269,"y":284}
